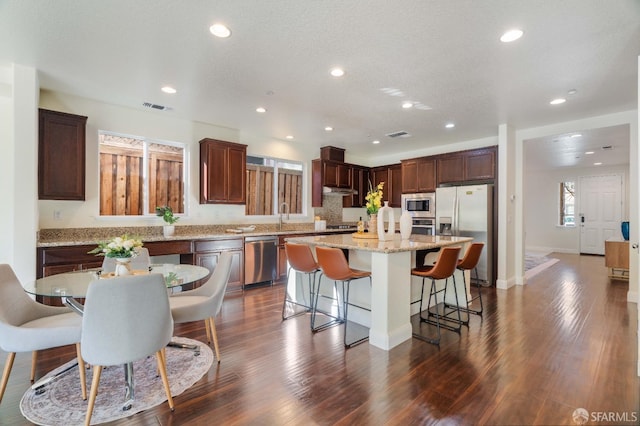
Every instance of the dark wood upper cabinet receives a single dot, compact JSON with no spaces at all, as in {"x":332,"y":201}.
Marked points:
{"x":61,"y":156}
{"x":481,"y":164}
{"x":418,"y":175}
{"x":222,"y":172}
{"x":391,"y":175}
{"x":467,"y":166}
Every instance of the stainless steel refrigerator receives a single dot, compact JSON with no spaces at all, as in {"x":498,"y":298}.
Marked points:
{"x":467,"y":211}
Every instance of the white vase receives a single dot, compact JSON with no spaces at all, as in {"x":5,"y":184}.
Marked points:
{"x":122,"y":266}
{"x":391,"y":227}
{"x":168,"y":230}
{"x":406,"y":225}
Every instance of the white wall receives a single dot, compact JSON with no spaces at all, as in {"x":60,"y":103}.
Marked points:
{"x":7,"y":179}
{"x":541,"y":206}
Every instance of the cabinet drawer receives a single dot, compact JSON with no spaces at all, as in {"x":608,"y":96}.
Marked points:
{"x":161,"y":248}
{"x":218,"y":245}
{"x":75,"y":254}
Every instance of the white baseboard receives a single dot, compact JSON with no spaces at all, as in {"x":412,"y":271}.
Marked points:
{"x":632,"y":296}
{"x":505,"y":284}
{"x":552,"y":250}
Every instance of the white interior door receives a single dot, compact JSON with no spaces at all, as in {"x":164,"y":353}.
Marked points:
{"x":600,"y":211}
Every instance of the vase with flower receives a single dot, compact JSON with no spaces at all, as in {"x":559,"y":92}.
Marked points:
{"x":374,"y":202}
{"x":122,"y":249}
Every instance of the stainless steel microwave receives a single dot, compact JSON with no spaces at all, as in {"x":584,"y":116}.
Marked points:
{"x":420,"y":205}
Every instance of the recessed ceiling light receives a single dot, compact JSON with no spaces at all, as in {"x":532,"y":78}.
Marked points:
{"x":407,"y":105}
{"x":168,"y":89}
{"x":511,"y":35}
{"x":289,"y":137}
{"x":576,"y":135}
{"x":220,"y":30}
{"x":589,"y":152}
{"x":558,"y":101}
{"x":337,"y":72}
{"x":328,"y":128}
{"x":376,"y":142}
{"x":597,"y":164}
{"x":261,"y":110}
{"x":449,"y":125}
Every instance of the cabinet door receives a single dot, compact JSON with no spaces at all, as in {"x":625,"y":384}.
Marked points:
{"x":451,"y":169}
{"x":380,"y":174}
{"x":409,"y":176}
{"x":480,"y":165}
{"x":61,"y":156}
{"x":395,"y":193}
{"x":236,"y":175}
{"x":222,"y":172}
{"x":344,"y":176}
{"x":60,"y":269}
{"x":282,"y":262}
{"x":330,"y":174}
{"x":426,"y":175}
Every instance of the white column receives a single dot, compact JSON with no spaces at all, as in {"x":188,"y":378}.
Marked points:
{"x":390,"y":289}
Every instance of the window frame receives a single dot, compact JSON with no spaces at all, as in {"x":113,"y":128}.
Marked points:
{"x":274,"y":200}
{"x":562,"y":205}
{"x":145,"y":175}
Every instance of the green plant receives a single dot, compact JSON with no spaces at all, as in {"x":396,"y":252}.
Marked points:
{"x":167,"y":215}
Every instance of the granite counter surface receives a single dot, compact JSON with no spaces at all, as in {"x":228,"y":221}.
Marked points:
{"x":84,"y":236}
{"x":397,"y":245}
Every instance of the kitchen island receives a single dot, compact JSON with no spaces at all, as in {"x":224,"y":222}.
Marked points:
{"x":390,"y":263}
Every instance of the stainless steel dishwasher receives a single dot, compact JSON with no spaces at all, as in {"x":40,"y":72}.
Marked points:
{"x":260,"y":259}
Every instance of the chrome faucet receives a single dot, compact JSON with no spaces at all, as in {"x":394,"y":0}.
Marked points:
{"x":284,"y":208}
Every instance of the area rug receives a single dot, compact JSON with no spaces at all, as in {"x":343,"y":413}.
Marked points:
{"x":62,"y":404}
{"x":535,"y":264}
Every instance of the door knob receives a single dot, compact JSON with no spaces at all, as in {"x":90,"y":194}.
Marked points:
{"x":634,"y":246}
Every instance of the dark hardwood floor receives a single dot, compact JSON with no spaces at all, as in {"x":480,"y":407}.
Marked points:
{"x":566,"y":340}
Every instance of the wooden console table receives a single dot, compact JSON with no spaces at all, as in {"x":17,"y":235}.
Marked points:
{"x":616,"y":258}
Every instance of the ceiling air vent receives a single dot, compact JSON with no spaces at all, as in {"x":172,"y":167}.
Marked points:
{"x":607,"y":147}
{"x":156,"y":106}
{"x":399,"y":134}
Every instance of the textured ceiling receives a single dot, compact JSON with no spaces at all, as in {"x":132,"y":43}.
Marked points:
{"x":442,"y":54}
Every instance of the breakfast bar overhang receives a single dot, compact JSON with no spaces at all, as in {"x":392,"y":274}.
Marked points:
{"x":390,"y":263}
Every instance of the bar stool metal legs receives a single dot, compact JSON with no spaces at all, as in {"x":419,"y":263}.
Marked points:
{"x":443,"y":269}
{"x":288,"y":300}
{"x":470,"y":263}
{"x":335,"y":267}
{"x":333,"y":320}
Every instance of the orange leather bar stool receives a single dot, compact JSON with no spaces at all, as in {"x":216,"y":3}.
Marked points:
{"x":443,"y":269}
{"x":469,"y":263}
{"x":335,"y":267}
{"x":300,"y":259}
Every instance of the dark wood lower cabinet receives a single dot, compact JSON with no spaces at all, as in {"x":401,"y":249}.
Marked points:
{"x":207,"y":254}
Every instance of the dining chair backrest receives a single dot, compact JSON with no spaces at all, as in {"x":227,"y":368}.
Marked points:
{"x":14,"y":303}
{"x":141,"y":262}
{"x":471,"y":257}
{"x":446,"y":264}
{"x":333,"y":263}
{"x":301,"y":258}
{"x":216,"y":285}
{"x":125,"y":319}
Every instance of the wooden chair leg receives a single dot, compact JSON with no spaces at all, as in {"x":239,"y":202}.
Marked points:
{"x":97,"y":370}
{"x":208,"y":330}
{"x":82,"y":371}
{"x":7,"y":371}
{"x":162,"y":366}
{"x":34,"y":359}
{"x":215,"y":337}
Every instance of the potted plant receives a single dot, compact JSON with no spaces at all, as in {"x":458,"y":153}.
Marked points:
{"x":167,"y":215}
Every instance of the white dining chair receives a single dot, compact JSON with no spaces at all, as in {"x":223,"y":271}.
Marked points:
{"x":204,"y":302}
{"x":125,"y":319}
{"x":141,"y":262}
{"x":29,"y":326}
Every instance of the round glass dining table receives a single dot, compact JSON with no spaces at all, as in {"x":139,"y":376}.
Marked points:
{"x":75,"y":284}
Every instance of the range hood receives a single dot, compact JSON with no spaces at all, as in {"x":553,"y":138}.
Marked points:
{"x":342,"y":192}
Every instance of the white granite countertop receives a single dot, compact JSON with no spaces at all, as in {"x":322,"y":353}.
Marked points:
{"x":348,"y":241}
{"x":89,"y":236}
